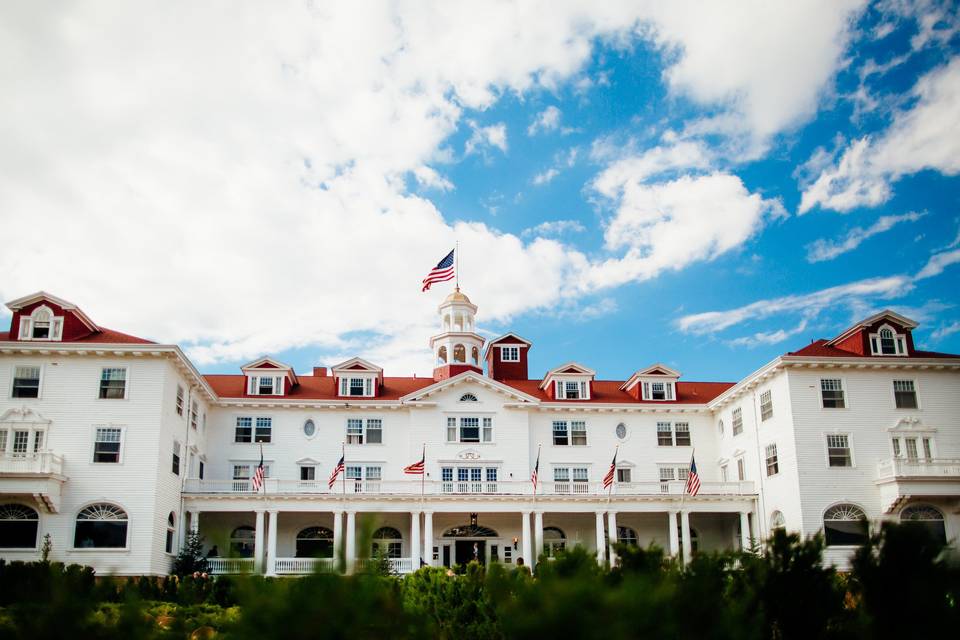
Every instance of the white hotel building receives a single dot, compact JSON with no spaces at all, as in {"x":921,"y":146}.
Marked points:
{"x":114,"y":446}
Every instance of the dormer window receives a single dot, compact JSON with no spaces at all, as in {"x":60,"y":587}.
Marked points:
{"x":266,"y":385}
{"x":887,"y":342}
{"x":510,"y":354}
{"x":41,"y":325}
{"x":356,"y":387}
{"x":658,"y":391}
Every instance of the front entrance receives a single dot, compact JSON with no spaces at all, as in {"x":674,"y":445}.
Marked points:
{"x":468,"y":550}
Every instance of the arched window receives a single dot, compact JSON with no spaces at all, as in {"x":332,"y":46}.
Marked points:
{"x":101,"y":526}
{"x":171,"y":531}
{"x":18,"y":527}
{"x":468,"y":397}
{"x":459,"y":354}
{"x":471,"y":531}
{"x":475,"y":356}
{"x":446,"y":322}
{"x":777,"y":521}
{"x":930,"y":518}
{"x":242,"y":541}
{"x":845,"y":524}
{"x":627,"y":535}
{"x":442,"y":355}
{"x":315,"y":542}
{"x":554,"y":540}
{"x":388,"y":542}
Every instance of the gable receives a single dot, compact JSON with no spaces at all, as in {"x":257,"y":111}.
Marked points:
{"x":468,"y":381}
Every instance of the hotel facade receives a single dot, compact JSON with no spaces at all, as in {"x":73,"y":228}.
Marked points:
{"x":113,"y":447}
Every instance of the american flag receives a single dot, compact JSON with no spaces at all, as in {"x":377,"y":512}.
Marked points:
{"x":416,"y":468}
{"x":337,"y":470}
{"x":258,"y":474}
{"x":693,"y":479}
{"x":535,"y":476}
{"x":608,"y":479}
{"x":440,"y":273}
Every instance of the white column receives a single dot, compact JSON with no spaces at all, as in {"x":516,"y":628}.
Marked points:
{"x":745,"y":530}
{"x":272,"y":543}
{"x":415,"y":540}
{"x":351,"y":552}
{"x":537,"y":537}
{"x":527,"y":546}
{"x":258,"y":543}
{"x":673,"y":525}
{"x":194,"y":520}
{"x":337,"y":538}
{"x":685,"y":535}
{"x":612,"y":533}
{"x":601,"y":539}
{"x":428,"y":537}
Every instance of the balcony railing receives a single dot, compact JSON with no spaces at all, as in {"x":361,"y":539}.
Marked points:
{"x":946,"y":468}
{"x":221,"y":566}
{"x":41,"y":463}
{"x":302,"y":566}
{"x":478,"y":488}
{"x":397,"y":565}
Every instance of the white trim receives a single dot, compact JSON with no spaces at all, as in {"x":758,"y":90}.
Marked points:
{"x":93,"y":444}
{"x":13,"y":375}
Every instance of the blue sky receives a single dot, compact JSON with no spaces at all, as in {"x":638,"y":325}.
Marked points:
{"x":629,"y":184}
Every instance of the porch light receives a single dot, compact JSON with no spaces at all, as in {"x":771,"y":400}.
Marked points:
{"x":473,"y":519}
{"x":515,"y":541}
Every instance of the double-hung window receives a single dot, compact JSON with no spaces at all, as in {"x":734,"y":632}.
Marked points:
{"x":831,"y":391}
{"x":468,"y":429}
{"x":736,"y":421}
{"x":374,"y":431}
{"x":682,"y":432}
{"x":766,"y":405}
{"x":193,"y":414}
{"x":175,"y":466}
{"x":244,"y":429}
{"x":571,"y":390}
{"x":361,"y":387}
{"x":360,"y":431}
{"x":264,"y":432}
{"x":664,"y":434}
{"x":561,"y":436}
{"x":905,"y":394}
{"x":179,"y":403}
{"x":113,"y":383}
{"x":106,"y":445}
{"x":838,"y":450}
{"x":26,"y":382}
{"x":578,"y":433}
{"x":354,"y":431}
{"x":570,"y":479}
{"x":510,"y":354}
{"x":308,"y":473}
{"x":773,"y":464}
{"x":741,"y":470}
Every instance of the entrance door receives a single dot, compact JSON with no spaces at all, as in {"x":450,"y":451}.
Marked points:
{"x":447,"y":560}
{"x":468,"y":550}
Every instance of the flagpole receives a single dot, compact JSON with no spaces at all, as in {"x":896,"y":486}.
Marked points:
{"x":614,"y":481}
{"x":423,"y":475}
{"x":343,"y":474}
{"x":456,"y":270}
{"x":684,"y":496}
{"x":537,"y":469}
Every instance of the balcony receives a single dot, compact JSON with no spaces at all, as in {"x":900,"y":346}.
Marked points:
{"x":229,"y":566}
{"x":900,"y":479}
{"x":38,"y":475}
{"x":275,"y":486}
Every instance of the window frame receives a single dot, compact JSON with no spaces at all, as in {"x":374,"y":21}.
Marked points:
{"x":368,"y":384}
{"x":507,"y":349}
{"x":823,"y":526}
{"x":38,"y":520}
{"x":126,"y":521}
{"x":766,"y":405}
{"x":826,"y":449}
{"x":900,"y":347}
{"x":93,"y":444}
{"x":916,"y":394}
{"x":843,"y":392}
{"x":736,"y":421}
{"x":237,"y":426}
{"x":126,"y":383}
{"x":772,"y":460}
{"x":485,"y":429}
{"x":27,"y":325}
{"x":363,"y":437}
{"x":13,"y":381}
{"x":175,"y":458}
{"x":257,"y":427}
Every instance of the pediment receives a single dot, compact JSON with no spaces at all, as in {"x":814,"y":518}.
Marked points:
{"x":911,"y":424}
{"x":357,"y":364}
{"x":307,"y":461}
{"x":469,"y":454}
{"x":463,"y":381}
{"x":23,"y":415}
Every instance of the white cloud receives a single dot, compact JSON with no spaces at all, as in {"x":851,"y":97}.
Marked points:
{"x":554,"y":228}
{"x":762,"y":338}
{"x":494,"y":135}
{"x":546,"y":176}
{"x":946,"y":330}
{"x":561,"y":160}
{"x":546,"y":120}
{"x":938,"y":262}
{"x":822,"y":249}
{"x":669,"y":225}
{"x":809,"y":304}
{"x":429,"y":178}
{"x":634,"y":167}
{"x":921,"y":137}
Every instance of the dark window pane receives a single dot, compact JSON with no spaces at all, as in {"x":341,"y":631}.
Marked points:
{"x":91,"y":534}
{"x":18,"y":534}
{"x":845,"y":532}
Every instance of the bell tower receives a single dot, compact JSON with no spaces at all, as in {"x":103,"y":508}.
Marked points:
{"x":458,"y":347}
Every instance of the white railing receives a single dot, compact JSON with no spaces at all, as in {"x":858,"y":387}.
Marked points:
{"x":397,"y":565}
{"x":302,"y":566}
{"x":43,"y":462}
{"x":273,"y":486}
{"x":221,"y":566}
{"x":918,"y":468}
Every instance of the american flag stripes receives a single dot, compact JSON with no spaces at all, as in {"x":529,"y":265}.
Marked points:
{"x":535,"y":476}
{"x":258,"y":474}
{"x":416,"y":468}
{"x":337,"y":470}
{"x":611,"y":474}
{"x":441,"y":273}
{"x":693,"y":479}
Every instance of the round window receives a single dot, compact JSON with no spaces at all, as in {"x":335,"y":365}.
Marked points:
{"x":621,"y":431}
{"x":309,"y":428}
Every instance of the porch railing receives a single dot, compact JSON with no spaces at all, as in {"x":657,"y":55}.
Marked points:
{"x":433,"y":487}
{"x":397,"y":565}
{"x":221,"y":566}
{"x":947,"y":468}
{"x":302,"y":566}
{"x":41,"y":463}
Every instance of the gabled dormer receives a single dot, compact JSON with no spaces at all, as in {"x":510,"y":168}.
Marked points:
{"x":571,"y":381}
{"x":41,"y":317}
{"x":886,"y":334}
{"x":267,"y":377}
{"x":357,"y":378}
{"x":657,"y":383}
{"x":506,"y":357}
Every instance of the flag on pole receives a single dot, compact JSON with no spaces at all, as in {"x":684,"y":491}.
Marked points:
{"x":608,"y":479}
{"x":693,"y":479}
{"x":416,"y":468}
{"x":337,"y":470}
{"x":258,"y":474}
{"x":441,"y":273}
{"x":535,"y":476}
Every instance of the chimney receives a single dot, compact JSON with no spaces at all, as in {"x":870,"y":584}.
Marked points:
{"x":319,"y":372}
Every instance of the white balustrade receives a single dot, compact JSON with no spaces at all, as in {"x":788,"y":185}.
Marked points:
{"x":918,"y":468}
{"x":397,"y":565}
{"x":223,"y":566}
{"x":41,"y":463}
{"x":302,"y":566}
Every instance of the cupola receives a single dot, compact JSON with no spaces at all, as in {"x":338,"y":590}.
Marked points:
{"x":458,"y":347}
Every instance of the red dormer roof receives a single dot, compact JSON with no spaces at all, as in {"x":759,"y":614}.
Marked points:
{"x":822,"y":349}
{"x":317,"y":388}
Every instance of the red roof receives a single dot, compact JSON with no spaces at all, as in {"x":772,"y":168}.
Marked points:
{"x":104,"y":336}
{"x":608,"y":391}
{"x":820,"y":349}
{"x":316,"y":388}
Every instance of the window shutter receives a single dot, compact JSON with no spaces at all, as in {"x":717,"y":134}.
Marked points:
{"x":253,"y":385}
{"x":343,"y":386}
{"x":24,"y":328}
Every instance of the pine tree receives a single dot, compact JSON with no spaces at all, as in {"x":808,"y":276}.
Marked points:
{"x":191,"y":559}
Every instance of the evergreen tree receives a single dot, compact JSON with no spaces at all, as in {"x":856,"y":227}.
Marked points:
{"x":191,"y":560}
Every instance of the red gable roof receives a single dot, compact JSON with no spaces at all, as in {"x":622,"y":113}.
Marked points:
{"x":820,"y":349}
{"x":317,"y":388}
{"x":608,"y":391}
{"x":104,"y":336}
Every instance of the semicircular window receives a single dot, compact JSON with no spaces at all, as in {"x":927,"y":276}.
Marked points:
{"x":930,"y":518}
{"x":777,"y":521}
{"x":242,"y":541}
{"x":845,"y":524}
{"x":315,"y":542}
{"x":388,"y":542}
{"x":471,"y":531}
{"x":468,"y":397}
{"x":101,"y":526}
{"x":18,"y":527}
{"x":554,"y":541}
